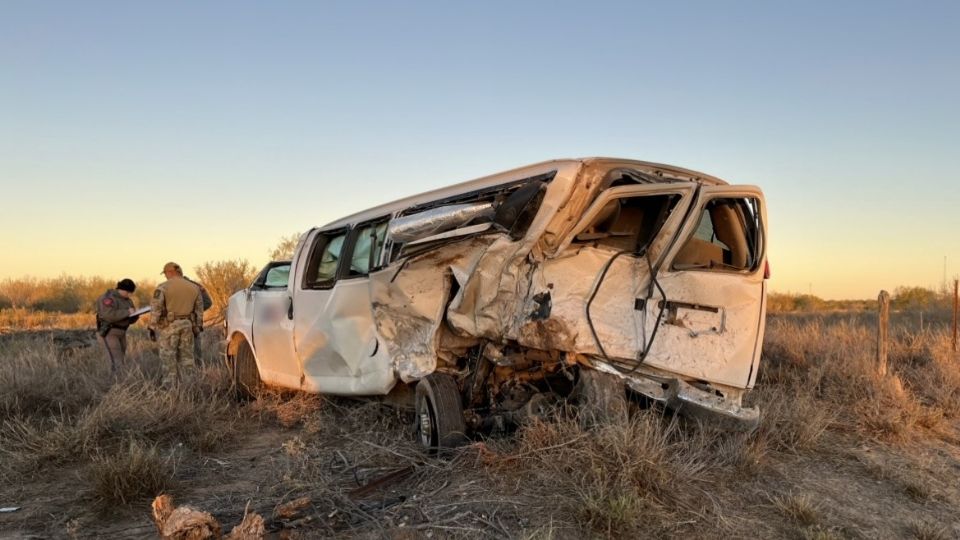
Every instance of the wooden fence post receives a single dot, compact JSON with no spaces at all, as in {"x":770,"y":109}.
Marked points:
{"x":883,"y":325}
{"x":956,"y":311}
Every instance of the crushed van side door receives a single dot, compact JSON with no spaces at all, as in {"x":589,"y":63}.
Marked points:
{"x":711,"y":309}
{"x":600,"y":275}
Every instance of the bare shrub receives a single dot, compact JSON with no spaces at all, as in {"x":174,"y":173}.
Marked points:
{"x":222,"y":279}
{"x":62,"y":294}
{"x":285,"y":248}
{"x":132,"y":471}
{"x":30,"y":319}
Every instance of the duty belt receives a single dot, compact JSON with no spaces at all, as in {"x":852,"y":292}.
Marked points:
{"x":180,"y":317}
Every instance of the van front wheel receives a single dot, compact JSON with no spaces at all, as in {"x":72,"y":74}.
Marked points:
{"x":439,"y":412}
{"x":246,"y":376}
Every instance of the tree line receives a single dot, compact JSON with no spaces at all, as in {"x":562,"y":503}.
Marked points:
{"x":77,"y":294}
{"x":903,"y":298}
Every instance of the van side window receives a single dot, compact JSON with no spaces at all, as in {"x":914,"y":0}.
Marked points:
{"x":324,"y":260}
{"x":727,"y":238}
{"x":629,"y":223}
{"x":367,"y":248}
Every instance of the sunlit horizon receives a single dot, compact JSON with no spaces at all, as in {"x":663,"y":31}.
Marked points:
{"x":138,"y":134}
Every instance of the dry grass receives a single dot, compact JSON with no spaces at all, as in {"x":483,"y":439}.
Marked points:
{"x":800,"y":509}
{"x":132,"y":472}
{"x":28,"y":319}
{"x":829,"y":374}
{"x":56,"y":411}
{"x":642,"y":476}
{"x":650,"y":476}
{"x":926,"y":530}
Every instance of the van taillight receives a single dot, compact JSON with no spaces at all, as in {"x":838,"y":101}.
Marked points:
{"x":766,"y":269}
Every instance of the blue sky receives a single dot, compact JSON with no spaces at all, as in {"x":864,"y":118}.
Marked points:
{"x":135,"y":133}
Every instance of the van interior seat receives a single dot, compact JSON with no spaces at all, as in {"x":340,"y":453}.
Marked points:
{"x":697,"y":252}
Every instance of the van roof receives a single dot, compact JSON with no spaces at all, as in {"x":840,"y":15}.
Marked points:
{"x":561,"y":166}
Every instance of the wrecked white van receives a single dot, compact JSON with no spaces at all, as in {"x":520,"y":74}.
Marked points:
{"x":589,"y":280}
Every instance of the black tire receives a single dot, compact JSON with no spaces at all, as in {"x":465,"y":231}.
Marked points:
{"x":602,"y":398}
{"x":439,"y":413}
{"x":246,"y":376}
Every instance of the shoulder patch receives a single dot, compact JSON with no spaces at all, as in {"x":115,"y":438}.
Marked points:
{"x":108,"y":301}
{"x":157,"y":293}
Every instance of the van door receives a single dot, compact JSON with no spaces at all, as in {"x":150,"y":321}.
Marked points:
{"x":272,"y":328}
{"x":334,"y":333}
{"x":603,"y":272}
{"x":711,"y":318}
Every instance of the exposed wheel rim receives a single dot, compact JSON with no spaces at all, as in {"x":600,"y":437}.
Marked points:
{"x":426,"y":425}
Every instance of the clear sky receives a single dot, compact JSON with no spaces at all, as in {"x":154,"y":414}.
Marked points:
{"x":132,"y":133}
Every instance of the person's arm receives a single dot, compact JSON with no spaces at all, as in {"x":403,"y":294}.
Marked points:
{"x":205,"y":296}
{"x":156,"y":309}
{"x":198,"y":315}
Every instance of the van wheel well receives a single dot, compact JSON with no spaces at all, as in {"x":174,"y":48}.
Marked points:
{"x":243,"y":369}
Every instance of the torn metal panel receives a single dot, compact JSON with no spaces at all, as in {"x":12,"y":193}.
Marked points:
{"x":712,"y":338}
{"x":408,"y":300}
{"x":437,"y":220}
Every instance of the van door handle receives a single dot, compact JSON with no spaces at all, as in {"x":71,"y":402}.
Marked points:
{"x":290,"y":308}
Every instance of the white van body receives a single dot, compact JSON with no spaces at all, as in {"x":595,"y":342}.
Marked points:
{"x":536,"y":270}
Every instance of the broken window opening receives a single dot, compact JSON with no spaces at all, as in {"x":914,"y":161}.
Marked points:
{"x":507,"y":208}
{"x":628,"y":224}
{"x":727,"y":237}
{"x":486,"y":194}
{"x":366,"y":248}
{"x":633,"y":177}
{"x":324,"y":260}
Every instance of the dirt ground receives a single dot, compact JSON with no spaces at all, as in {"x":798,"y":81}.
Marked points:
{"x":269,"y":464}
{"x":364,"y":477}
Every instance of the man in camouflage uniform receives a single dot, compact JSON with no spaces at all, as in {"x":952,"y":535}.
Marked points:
{"x":113,"y":310}
{"x":177,"y":315}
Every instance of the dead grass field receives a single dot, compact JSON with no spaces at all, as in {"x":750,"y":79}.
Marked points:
{"x":840,"y":453}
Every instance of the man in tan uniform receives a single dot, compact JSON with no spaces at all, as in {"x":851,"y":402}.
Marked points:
{"x":177,"y":315}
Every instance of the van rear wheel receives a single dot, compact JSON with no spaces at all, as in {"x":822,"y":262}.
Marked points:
{"x":439,"y":413}
{"x":246,"y":376}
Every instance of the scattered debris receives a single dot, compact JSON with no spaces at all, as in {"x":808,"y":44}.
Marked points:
{"x":250,"y":528}
{"x":188,"y":523}
{"x":8,"y":509}
{"x":292,"y":509}
{"x":382,"y":482}
{"x":182,"y":522}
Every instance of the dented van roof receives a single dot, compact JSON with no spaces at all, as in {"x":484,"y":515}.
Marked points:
{"x":667,"y":172}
